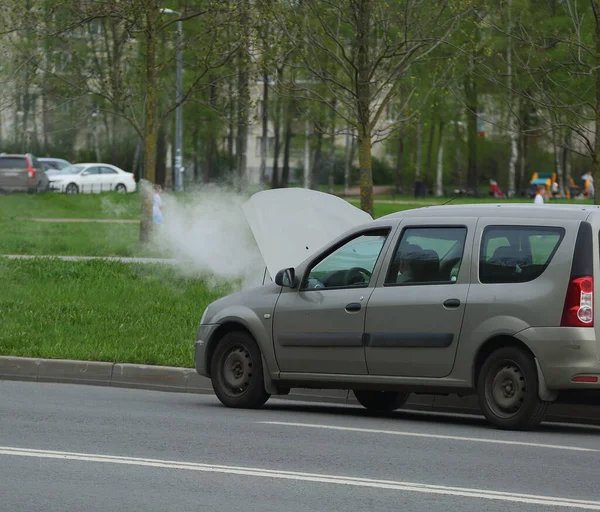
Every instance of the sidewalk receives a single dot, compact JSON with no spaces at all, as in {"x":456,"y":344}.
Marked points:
{"x":107,"y":221}
{"x":121,"y":259}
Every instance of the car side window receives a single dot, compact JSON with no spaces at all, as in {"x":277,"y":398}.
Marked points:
{"x":350,"y":265}
{"x":517,"y":254}
{"x":108,"y":170}
{"x":93,"y":170}
{"x":427,"y":255}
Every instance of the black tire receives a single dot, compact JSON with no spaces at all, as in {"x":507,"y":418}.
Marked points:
{"x":71,"y":188}
{"x":237,"y":373}
{"x":381,"y":401}
{"x":121,"y":189}
{"x":507,"y":387}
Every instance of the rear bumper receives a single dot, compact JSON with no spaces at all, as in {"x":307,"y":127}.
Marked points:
{"x":564,"y":353}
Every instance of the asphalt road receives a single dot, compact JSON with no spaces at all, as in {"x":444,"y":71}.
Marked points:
{"x":73,"y":448}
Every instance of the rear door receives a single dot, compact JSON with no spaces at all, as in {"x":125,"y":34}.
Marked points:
{"x":13,"y":173}
{"x":415,"y":314}
{"x":109,"y":178}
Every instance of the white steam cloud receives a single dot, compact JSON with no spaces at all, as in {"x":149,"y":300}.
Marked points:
{"x":208,"y":232}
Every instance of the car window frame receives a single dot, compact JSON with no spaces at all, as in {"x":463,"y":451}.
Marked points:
{"x":88,"y":169}
{"x":518,"y":227}
{"x":385,"y":284}
{"x":112,"y":172}
{"x":388,"y":230}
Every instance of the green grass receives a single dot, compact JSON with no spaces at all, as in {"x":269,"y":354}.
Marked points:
{"x":110,"y":205}
{"x":71,"y":239}
{"x":102,"y":311}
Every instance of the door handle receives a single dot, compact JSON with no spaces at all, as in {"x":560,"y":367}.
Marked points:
{"x":452,"y":303}
{"x":353,"y":307}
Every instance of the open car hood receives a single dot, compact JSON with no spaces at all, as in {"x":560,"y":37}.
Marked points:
{"x":290,"y":224}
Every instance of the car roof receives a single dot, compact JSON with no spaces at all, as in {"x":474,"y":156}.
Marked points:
{"x":508,"y":210}
{"x":51,"y":159}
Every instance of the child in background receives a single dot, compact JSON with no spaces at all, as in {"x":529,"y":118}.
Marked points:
{"x":157,"y":216}
{"x":539,"y":197}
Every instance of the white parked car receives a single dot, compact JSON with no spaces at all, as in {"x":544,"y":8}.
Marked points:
{"x":92,"y":179}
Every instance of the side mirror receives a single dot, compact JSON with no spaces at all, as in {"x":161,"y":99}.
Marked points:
{"x":286,"y":277}
{"x":84,"y":173}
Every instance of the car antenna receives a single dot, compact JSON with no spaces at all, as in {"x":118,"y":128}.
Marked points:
{"x":449,"y":200}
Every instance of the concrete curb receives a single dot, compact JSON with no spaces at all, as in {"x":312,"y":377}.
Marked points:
{"x":186,"y":380}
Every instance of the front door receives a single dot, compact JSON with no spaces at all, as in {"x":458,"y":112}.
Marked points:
{"x":91,"y":180}
{"x":414,"y":319}
{"x":319,"y":328}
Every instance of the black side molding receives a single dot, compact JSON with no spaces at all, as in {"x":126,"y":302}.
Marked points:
{"x":320,"y":339}
{"x":408,"y":340}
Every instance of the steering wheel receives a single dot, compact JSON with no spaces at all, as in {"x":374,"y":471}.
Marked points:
{"x":357,"y":275}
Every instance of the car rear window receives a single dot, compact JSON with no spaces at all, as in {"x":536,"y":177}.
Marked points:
{"x":13,"y":163}
{"x":517,"y":254}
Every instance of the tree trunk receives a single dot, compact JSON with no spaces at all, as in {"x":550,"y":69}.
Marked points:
{"x":458,"y":177}
{"x":331,"y":158}
{"x":275,"y":179}
{"x":511,"y":117}
{"x":348,"y":160}
{"x":285,"y":174}
{"x":366,"y":170}
{"x":399,"y":176}
{"x":418,"y":150}
{"x":558,"y":160}
{"x":567,"y":161}
{"x":439,"y":185}
{"x":471,"y":103}
{"x":307,"y":154}
{"x":151,"y":125}
{"x":429,"y":163}
{"x":241,"y":149}
{"x":265,"y":127}
{"x":596,"y":170}
{"x":363,"y":94}
{"x":315,"y":182}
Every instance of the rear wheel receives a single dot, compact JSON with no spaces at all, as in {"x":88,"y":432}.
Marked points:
{"x":72,"y":189}
{"x":508,"y":390}
{"x":237,"y":373}
{"x":381,"y":401}
{"x":121,"y":188}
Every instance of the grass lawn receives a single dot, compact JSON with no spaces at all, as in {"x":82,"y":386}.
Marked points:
{"x":102,"y":311}
{"x":109,"y":205}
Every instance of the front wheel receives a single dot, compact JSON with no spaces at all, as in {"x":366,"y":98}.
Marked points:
{"x":381,"y":401}
{"x":508,"y":390}
{"x":237,"y":373}
{"x":72,"y":189}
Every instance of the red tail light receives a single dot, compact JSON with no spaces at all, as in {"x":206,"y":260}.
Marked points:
{"x":30,"y":170}
{"x":579,"y":303}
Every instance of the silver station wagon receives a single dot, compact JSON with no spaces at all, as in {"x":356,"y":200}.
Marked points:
{"x":493,"y":300}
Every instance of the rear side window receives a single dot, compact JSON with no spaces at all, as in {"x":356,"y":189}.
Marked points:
{"x":13,"y":163}
{"x":517,"y":254}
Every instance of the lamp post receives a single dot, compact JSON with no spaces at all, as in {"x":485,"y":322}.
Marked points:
{"x":179,"y":109}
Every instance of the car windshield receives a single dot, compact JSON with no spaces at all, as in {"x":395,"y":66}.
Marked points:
{"x":72,"y":169}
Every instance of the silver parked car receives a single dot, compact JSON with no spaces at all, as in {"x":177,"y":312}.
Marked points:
{"x":493,"y":300}
{"x":22,"y":173}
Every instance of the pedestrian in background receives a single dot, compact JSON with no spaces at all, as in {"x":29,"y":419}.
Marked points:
{"x":157,"y":216}
{"x":539,"y":197}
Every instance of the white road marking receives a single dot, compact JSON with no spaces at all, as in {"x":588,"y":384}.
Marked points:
{"x":308,"y":477}
{"x":431,"y":436}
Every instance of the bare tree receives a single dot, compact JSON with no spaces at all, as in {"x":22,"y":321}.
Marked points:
{"x":359,"y":52}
